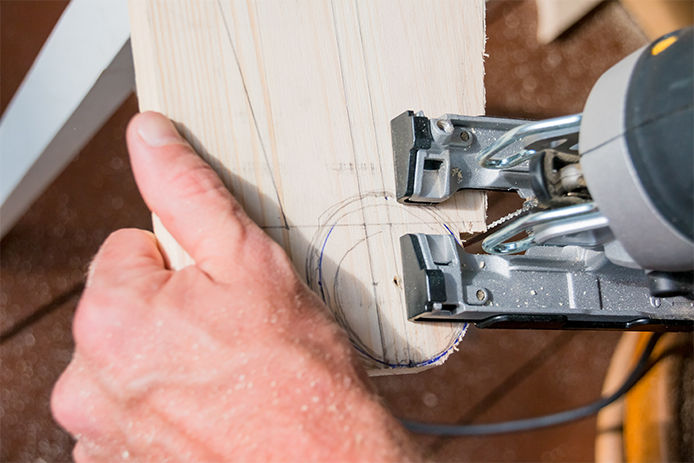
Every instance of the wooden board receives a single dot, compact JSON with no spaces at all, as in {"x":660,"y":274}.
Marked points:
{"x":291,"y":102}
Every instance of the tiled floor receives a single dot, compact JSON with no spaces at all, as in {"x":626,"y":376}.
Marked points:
{"x":496,"y":375}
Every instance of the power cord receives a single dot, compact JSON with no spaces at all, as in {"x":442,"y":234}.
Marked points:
{"x":528,"y":424}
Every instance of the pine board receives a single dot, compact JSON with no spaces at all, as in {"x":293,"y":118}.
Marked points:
{"x":291,"y":102}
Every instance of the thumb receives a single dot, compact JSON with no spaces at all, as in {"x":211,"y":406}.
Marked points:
{"x":186,"y":194}
{"x":128,"y":257}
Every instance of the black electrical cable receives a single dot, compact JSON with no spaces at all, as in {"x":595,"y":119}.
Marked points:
{"x":527,"y":424}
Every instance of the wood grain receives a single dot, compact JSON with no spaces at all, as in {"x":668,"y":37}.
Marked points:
{"x":291,"y":102}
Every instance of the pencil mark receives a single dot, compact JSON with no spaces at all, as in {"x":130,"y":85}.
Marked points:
{"x":457,"y":240}
{"x":345,"y":225}
{"x":253,"y":116}
{"x":368,"y":91}
{"x":356,"y":173}
{"x":327,"y":281}
{"x":353,"y":336}
{"x":320,"y":263}
{"x":376,"y":132}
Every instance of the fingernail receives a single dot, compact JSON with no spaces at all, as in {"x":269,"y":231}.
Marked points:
{"x":157,"y":131}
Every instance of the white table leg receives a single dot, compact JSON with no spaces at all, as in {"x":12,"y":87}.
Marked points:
{"x":81,"y":76}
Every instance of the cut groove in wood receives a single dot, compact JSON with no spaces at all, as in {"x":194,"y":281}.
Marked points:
{"x":291,"y":103}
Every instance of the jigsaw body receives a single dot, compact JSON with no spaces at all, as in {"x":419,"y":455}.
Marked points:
{"x":607,"y":227}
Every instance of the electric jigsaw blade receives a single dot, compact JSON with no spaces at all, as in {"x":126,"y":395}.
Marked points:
{"x":529,"y":206}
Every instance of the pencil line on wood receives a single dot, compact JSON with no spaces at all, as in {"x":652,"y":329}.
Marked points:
{"x":279,"y":58}
{"x":371,"y":102}
{"x":359,"y":187}
{"x":255,"y":120}
{"x":359,"y":224}
{"x":378,"y":153}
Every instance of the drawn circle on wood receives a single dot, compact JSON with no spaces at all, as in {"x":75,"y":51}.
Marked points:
{"x":365,"y":231}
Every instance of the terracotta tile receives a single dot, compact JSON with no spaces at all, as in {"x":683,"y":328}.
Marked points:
{"x":527,"y":80}
{"x":31,"y":363}
{"x":499,"y":375}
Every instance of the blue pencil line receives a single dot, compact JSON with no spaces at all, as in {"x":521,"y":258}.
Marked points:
{"x":320,"y":263}
{"x":431,"y":361}
{"x":452,"y":234}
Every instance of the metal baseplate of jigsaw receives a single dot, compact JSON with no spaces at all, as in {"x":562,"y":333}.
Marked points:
{"x":565,"y":278}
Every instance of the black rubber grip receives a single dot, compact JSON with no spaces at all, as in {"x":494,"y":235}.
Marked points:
{"x":659,"y":117}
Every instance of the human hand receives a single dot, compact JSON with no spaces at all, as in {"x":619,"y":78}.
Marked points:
{"x":233,"y":358}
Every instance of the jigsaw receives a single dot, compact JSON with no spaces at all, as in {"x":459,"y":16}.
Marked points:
{"x":605,"y":237}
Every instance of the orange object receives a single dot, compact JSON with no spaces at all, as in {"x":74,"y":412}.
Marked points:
{"x":658,"y":17}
